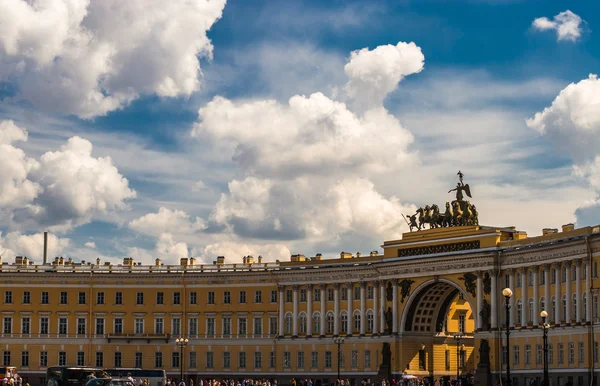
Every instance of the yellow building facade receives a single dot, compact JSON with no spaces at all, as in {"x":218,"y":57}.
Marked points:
{"x":430,"y":305}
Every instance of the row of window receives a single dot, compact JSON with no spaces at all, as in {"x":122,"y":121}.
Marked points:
{"x":139,"y":299}
{"x":552,"y":310}
{"x":330,"y":294}
{"x":192,"y":359}
{"x":552,"y":274}
{"x":569,"y":349}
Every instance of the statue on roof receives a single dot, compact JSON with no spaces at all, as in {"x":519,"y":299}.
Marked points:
{"x":460,"y":187}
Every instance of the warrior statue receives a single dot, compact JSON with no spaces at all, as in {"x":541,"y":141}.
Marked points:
{"x":460,"y":187}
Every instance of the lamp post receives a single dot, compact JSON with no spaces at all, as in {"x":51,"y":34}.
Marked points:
{"x":507,"y":293}
{"x":181,"y":342}
{"x":545,"y":327}
{"x":458,"y":336}
{"x":339,"y":341}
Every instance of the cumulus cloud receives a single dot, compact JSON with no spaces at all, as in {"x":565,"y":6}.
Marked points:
{"x":167,"y":249}
{"x":70,"y":55}
{"x":62,"y":189}
{"x":32,"y":246}
{"x":373,"y":74}
{"x":566,"y":24}
{"x":166,"y":220}
{"x":90,"y":244}
{"x":234,"y":251}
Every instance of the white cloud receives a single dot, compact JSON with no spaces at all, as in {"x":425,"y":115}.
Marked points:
{"x":167,"y":249}
{"x":234,"y":251}
{"x":199,"y":186}
{"x":32,"y":246}
{"x":567,"y":25}
{"x":70,"y":55}
{"x":90,"y":244}
{"x":572,"y":122}
{"x":373,"y":74}
{"x":166,"y":220}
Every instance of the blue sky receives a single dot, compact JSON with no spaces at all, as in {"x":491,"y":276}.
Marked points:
{"x":202,"y":134}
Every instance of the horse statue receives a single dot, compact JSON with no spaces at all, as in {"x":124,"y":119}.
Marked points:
{"x":424,"y":217}
{"x":448,"y":216}
{"x":467,"y":214}
{"x":474,"y":215}
{"x":458,"y":214}
{"x":436,"y":219}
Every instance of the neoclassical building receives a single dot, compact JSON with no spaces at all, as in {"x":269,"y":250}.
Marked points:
{"x":429,"y":305}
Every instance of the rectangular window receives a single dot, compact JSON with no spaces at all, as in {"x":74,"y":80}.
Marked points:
{"x":300,"y":359}
{"x":370,"y":292}
{"x":193,"y":330}
{"x":226,"y":297}
{"x":527,"y":354}
{"x":119,"y":298}
{"x":211,"y":297}
{"x":139,"y":298}
{"x":314,"y":359}
{"x":99,"y":359}
{"x":226,"y":360}
{"x":24,"y":358}
{"x":581,"y":352}
{"x":210,"y":326}
{"x":210,"y":359}
{"x":8,"y":297}
{"x":177,"y":298}
{"x":561,"y":354}
{"x":118,"y":325}
{"x":595,"y":351}
{"x":447,"y":360}
{"x":227,"y":325}
{"x":516,"y":355}
{"x":258,"y":297}
{"x":287,"y":360}
{"x":193,"y":297}
{"x":272,"y":360}
{"x":118,"y":359}
{"x":327,"y":359}
{"x":367,"y":359}
{"x":242,"y":360}
{"x":138,"y":360}
{"x":81,"y":298}
{"x":242,"y":326}
{"x":62,"y":326}
{"x":354,"y":359}
{"x":273,"y":325}
{"x":44,"y":326}
{"x":80,"y":358}
{"x":26,"y":297}
{"x":461,"y":323}
{"x":159,"y":326}
{"x":539,"y":354}
{"x":63,"y":298}
{"x":357,"y":293}
{"x":317,"y":295}
{"x":25,"y":325}
{"x":242,"y":297}
{"x":100,"y":326}
{"x":160,"y":298}
{"x":192,"y":360}
{"x":80,"y":326}
{"x":158,"y":360}
{"x":302,"y":295}
{"x":257,"y":326}
{"x":344,"y":294}
{"x":7,"y":325}
{"x":62,"y":358}
{"x":176,"y":326}
{"x":273,"y":296}
{"x":329,"y":294}
{"x":550,"y":354}
{"x":175,"y":359}
{"x":139,"y":325}
{"x":288,"y":296}
{"x":571,"y":352}
{"x":100,"y":298}
{"x":45,"y":298}
{"x":257,"y":360}
{"x":43,"y":358}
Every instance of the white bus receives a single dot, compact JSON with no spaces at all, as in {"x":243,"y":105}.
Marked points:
{"x":156,"y":377}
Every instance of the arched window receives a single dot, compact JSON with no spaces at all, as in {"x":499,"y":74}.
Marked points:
{"x":330,"y":323}
{"x":543,"y":305}
{"x":531,"y":316}
{"x":519,"y":311}
{"x":344,"y":318}
{"x":564,"y":307}
{"x":553,"y":313}
{"x":288,"y":323}
{"x":357,"y":321}
{"x":316,"y":323}
{"x":370,"y":321}
{"x":302,"y":321}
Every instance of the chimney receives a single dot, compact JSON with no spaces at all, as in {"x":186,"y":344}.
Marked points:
{"x":358,"y":254}
{"x":259,"y":259}
{"x":45,"y":247}
{"x":374,"y":253}
{"x":568,"y":227}
{"x":549,"y":231}
{"x":345,"y":255}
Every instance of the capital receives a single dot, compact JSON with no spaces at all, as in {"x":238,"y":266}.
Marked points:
{"x":295,"y":287}
{"x":322,"y":286}
{"x":363,"y":284}
{"x":309,"y":286}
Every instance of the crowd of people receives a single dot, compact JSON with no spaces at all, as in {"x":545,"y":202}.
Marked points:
{"x":310,"y":382}
{"x":13,"y":380}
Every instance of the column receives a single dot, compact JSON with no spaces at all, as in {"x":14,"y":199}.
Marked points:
{"x":336,"y":309}
{"x":382,"y":307}
{"x":494,"y":290}
{"x":479,"y":300}
{"x":350,"y":326}
{"x":309,"y":320}
{"x":395,"y":306}
{"x":590,"y":298}
{"x":375,"y":307}
{"x":525,"y":304}
{"x":295,"y":310}
{"x":323,"y":328}
{"x":547,"y":300}
{"x":558,"y":301}
{"x":281,"y":311}
{"x":568,"y":292}
{"x":536,"y":296}
{"x":511,"y":285}
{"x":363,"y":308}
{"x":579,"y":302}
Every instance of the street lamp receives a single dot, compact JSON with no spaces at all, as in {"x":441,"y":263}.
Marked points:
{"x":545,"y":326}
{"x":507,"y":293}
{"x":458,"y":336}
{"x":181,"y":342}
{"x":339,"y":341}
